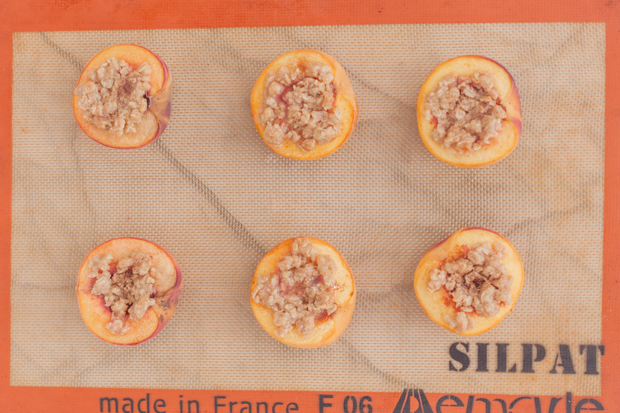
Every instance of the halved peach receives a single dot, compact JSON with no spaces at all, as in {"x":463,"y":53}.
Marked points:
{"x":508,"y":137}
{"x":168,"y":286}
{"x":344,"y":101}
{"x":326,"y":329}
{"x":439,"y":304}
{"x":159,"y":98}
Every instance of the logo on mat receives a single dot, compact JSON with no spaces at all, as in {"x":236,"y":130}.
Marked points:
{"x":413,"y":401}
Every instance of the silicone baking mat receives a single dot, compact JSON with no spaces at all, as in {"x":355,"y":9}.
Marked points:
{"x":211,"y":193}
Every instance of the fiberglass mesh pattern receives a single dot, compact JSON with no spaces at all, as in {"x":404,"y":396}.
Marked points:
{"x":211,"y":193}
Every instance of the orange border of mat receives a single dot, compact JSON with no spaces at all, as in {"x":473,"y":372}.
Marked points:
{"x":51,"y":15}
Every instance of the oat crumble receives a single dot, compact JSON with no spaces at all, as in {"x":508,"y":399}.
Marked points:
{"x":299,"y":106}
{"x":301,"y":290}
{"x":127,"y":287}
{"x":467,"y":111}
{"x":115,"y":96}
{"x":477,"y":281}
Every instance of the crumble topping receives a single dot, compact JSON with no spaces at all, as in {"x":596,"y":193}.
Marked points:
{"x":467,"y":111}
{"x":127,"y":287}
{"x":299,"y":106}
{"x":300,"y":291}
{"x":115,"y":96}
{"x":478,"y":282}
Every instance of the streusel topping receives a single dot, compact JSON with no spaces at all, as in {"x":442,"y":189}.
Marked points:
{"x":127,"y":286}
{"x":477,"y":281}
{"x":467,"y":112}
{"x":301,"y":290}
{"x":300,"y":106}
{"x":114,"y":97}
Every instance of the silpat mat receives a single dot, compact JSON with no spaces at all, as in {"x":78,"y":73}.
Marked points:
{"x":211,"y":193}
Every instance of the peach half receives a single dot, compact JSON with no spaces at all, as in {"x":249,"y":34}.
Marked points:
{"x":344,"y":100}
{"x":439,"y":304}
{"x":168,"y":285}
{"x":159,"y":98}
{"x":327,"y":329}
{"x":510,"y":133}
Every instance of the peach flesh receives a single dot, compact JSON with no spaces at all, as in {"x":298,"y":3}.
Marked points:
{"x":510,"y":133}
{"x":345,"y":101}
{"x":169,"y":286}
{"x":327,"y":329}
{"x":159,"y":98}
{"x":438,"y":304}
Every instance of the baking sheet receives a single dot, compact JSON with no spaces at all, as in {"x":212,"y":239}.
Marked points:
{"x":211,"y":193}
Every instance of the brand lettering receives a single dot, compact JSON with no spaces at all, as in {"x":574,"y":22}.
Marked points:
{"x":415,"y":401}
{"x":530,"y":358}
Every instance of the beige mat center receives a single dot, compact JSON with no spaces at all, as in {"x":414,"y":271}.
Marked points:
{"x":217,"y":198}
